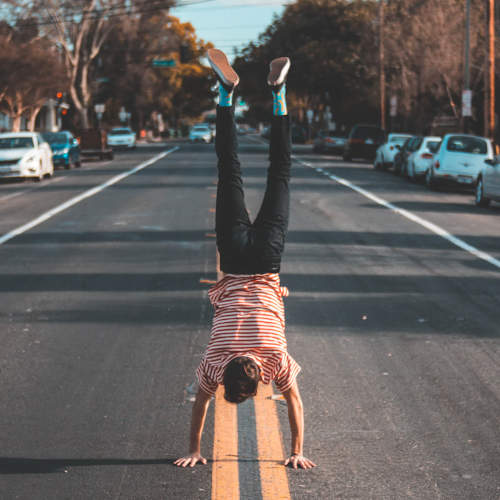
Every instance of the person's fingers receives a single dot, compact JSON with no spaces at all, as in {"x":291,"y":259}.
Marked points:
{"x":295,"y":461}
{"x":193,"y":462}
{"x":204,"y":461}
{"x":287,"y":461}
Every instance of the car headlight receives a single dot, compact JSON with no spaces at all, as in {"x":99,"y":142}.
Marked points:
{"x":64,"y":151}
{"x":29,"y":159}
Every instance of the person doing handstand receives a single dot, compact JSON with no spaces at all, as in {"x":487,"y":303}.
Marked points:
{"x":247,"y":343}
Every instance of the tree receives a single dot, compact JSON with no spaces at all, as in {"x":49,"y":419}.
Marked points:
{"x":182,"y":91}
{"x":24,"y":86}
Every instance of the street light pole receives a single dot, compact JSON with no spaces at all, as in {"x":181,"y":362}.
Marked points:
{"x":467,"y":60}
{"x":491,"y":65}
{"x":381,"y":62}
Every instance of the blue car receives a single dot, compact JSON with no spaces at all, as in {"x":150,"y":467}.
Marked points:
{"x":65,"y":149}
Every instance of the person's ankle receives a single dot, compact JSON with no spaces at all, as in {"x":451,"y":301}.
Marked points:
{"x":279,"y":102}
{"x":225,"y":97}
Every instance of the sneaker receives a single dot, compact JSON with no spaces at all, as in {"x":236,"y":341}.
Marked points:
{"x":225,"y":73}
{"x":278,"y":70}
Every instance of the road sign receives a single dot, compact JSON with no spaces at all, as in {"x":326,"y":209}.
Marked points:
{"x":394,"y":106}
{"x":309,"y":114}
{"x":99,"y":108}
{"x":163,"y":63}
{"x":467,"y":103}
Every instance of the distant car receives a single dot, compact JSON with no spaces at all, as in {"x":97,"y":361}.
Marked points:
{"x":298,"y":134}
{"x":385,"y":154}
{"x":25,"y":155}
{"x":329,"y":141}
{"x":65,"y":149}
{"x":401,"y":159}
{"x":121,"y":138}
{"x":93,"y":142}
{"x":459,"y":160}
{"x":200,"y":133}
{"x":363,"y":142}
{"x":488,"y":183}
{"x":420,"y":160}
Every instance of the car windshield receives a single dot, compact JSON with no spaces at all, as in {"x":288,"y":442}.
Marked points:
{"x":433,"y":146}
{"x":373,"y":133}
{"x":120,"y":131}
{"x":464,"y":144}
{"x":16,"y":142}
{"x":399,"y":139}
{"x":55,"y":137}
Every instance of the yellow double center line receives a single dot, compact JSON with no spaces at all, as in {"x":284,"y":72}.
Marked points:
{"x":225,"y":472}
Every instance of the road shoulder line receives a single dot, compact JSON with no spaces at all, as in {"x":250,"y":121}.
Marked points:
{"x":434,"y":228}
{"x":86,"y":194}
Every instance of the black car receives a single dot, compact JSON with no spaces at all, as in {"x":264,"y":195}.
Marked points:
{"x":363,"y":142}
{"x":65,"y":149}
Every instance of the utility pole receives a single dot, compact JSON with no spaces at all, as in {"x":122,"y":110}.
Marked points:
{"x":465,"y":113}
{"x":381,"y":62}
{"x":491,"y":67}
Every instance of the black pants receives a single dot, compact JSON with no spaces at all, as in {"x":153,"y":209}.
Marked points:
{"x":246,"y":247}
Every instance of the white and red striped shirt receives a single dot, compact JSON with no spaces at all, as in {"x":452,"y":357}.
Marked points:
{"x":249,"y":320}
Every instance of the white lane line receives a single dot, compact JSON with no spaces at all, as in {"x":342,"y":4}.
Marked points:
{"x":409,"y":215}
{"x":86,"y":194}
{"x":18,"y":193}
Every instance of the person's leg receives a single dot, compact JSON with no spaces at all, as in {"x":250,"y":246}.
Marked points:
{"x":272,"y":220}
{"x":231,"y":221}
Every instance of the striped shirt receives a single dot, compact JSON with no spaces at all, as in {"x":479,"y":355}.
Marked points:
{"x":249,"y":320}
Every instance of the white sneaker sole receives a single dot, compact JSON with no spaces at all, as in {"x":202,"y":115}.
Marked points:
{"x":221,"y":66}
{"x":278,"y":69}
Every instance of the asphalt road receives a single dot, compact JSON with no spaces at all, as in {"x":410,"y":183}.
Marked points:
{"x":104,"y":317}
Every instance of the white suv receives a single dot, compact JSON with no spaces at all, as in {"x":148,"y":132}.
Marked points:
{"x":384,"y":157}
{"x":459,"y":160}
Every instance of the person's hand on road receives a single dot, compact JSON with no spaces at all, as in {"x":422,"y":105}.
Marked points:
{"x":190,"y":460}
{"x":299,"y":461}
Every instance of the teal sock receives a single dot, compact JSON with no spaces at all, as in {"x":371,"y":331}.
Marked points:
{"x":225,"y":97}
{"x":279,"y":102}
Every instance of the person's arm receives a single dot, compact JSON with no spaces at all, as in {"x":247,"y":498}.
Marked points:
{"x":296,"y":419}
{"x":199,"y":412}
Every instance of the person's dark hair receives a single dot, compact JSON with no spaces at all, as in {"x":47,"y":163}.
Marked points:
{"x":241,"y":378}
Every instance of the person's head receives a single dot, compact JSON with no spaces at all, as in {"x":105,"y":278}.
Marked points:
{"x":241,"y":378}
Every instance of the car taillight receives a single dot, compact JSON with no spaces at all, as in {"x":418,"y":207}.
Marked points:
{"x":436,"y":164}
{"x":356,"y":141}
{"x":426,"y":156}
{"x":391,"y":148}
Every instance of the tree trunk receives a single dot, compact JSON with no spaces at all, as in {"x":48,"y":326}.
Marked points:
{"x":16,"y":123}
{"x":84,"y":117}
{"x":32,"y":119}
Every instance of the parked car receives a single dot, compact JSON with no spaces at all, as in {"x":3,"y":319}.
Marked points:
{"x":459,"y":160}
{"x":93,"y":142}
{"x":65,"y":149}
{"x":384,"y":156}
{"x":488,"y":183}
{"x":200,"y":133}
{"x":409,"y":146}
{"x":121,"y":138}
{"x":420,"y":160}
{"x":25,"y":155}
{"x":363,"y":142}
{"x":299,"y":135}
{"x":329,"y":141}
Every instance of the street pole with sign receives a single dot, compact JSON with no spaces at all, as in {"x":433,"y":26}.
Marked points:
{"x":467,"y":94}
{"x":99,"y":111}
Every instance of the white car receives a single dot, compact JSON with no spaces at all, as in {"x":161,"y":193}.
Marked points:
{"x":459,"y":160}
{"x":201,"y":133}
{"x":121,"y":137}
{"x":25,"y":155}
{"x":488,"y":183}
{"x":420,"y":160}
{"x":384,"y":156}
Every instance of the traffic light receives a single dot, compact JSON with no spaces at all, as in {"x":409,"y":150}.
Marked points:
{"x":59,"y":98}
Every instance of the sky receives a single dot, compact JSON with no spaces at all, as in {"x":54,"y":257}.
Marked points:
{"x":230,"y":23}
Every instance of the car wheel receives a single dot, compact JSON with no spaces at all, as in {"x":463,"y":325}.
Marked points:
{"x":480,"y":199}
{"x":429,"y":180}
